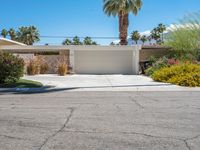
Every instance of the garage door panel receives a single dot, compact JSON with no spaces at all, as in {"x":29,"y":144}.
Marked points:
{"x":103,"y":62}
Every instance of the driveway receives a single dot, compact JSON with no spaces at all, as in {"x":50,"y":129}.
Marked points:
{"x":107,"y":83}
{"x":100,"y":121}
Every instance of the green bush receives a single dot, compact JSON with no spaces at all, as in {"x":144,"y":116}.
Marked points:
{"x":184,"y":38}
{"x":11,"y":68}
{"x":183,"y":75}
{"x":156,"y":65}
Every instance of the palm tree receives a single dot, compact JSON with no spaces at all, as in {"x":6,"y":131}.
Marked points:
{"x":149,"y":38}
{"x":12,"y":34}
{"x":135,"y":36}
{"x":122,"y":8}
{"x":143,"y":39}
{"x":76,"y":41}
{"x":67,"y":42}
{"x":4,"y":33}
{"x":161,"y":28}
{"x":88,"y":41}
{"x":155,"y":34}
{"x":28,"y":35}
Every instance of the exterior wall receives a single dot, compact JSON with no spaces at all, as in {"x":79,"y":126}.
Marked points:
{"x":106,"y":62}
{"x":148,"y":51}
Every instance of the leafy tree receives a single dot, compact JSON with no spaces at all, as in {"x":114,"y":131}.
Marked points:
{"x":77,"y":41}
{"x":28,"y":35}
{"x":4,"y":33}
{"x":135,"y":36}
{"x":12,"y":34}
{"x":122,"y":8}
{"x":143,"y":39}
{"x":67,"y":42}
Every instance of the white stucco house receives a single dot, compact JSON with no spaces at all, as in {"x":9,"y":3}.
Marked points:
{"x":86,"y":59}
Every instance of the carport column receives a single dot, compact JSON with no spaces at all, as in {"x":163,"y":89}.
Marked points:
{"x":71,"y":58}
{"x":136,"y":59}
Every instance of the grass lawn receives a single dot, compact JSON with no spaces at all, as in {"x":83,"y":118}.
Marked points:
{"x":22,"y":83}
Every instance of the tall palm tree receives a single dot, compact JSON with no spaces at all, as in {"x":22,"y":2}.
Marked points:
{"x":88,"y":41}
{"x":67,"y":42}
{"x":4,"y":33}
{"x":12,"y":34}
{"x":122,"y":8}
{"x":155,"y":34}
{"x":149,"y":38}
{"x":77,"y":41}
{"x":161,"y":28}
{"x":143,"y":39}
{"x":28,"y":35}
{"x":135,"y":36}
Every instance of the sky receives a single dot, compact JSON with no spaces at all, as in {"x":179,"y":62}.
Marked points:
{"x":86,"y":17}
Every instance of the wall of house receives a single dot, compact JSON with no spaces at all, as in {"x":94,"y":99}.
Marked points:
{"x":157,"y":51}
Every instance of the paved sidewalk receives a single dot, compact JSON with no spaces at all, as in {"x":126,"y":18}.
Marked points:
{"x":107,"y":83}
{"x":100,"y":121}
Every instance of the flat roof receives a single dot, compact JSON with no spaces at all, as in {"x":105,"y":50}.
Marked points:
{"x":32,"y":49}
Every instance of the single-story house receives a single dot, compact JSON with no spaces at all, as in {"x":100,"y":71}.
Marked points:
{"x":85,"y":59}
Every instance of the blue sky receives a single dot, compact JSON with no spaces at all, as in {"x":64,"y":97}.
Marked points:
{"x":86,"y":18}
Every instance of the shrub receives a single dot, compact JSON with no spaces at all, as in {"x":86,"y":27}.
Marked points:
{"x":37,"y":65}
{"x":33,"y":67}
{"x":184,"y":38}
{"x":183,"y":75}
{"x":11,"y":68}
{"x":162,"y":62}
{"x":44,"y":67}
{"x":62,"y":66}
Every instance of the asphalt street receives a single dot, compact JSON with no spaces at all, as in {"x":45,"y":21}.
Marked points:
{"x":63,"y":120}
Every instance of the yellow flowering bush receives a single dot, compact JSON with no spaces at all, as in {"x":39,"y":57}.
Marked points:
{"x":183,"y":75}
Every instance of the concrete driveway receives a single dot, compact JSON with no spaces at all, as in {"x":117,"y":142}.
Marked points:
{"x":100,"y":121}
{"x":107,"y":83}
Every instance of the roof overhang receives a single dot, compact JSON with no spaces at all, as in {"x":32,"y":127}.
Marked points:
{"x":34,"y":49}
{"x":4,"y":41}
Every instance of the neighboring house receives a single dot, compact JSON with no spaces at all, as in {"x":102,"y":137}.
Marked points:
{"x":4,"y":42}
{"x":8,"y":42}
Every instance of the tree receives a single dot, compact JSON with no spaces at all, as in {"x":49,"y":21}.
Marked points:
{"x":155,"y":34}
{"x":143,"y":39}
{"x":76,"y":41}
{"x":135,"y":36}
{"x":4,"y":33}
{"x":67,"y":42}
{"x":12,"y":34}
{"x":149,"y":38}
{"x":88,"y":41}
{"x":122,"y":8}
{"x":28,"y":35}
{"x":161,"y":28}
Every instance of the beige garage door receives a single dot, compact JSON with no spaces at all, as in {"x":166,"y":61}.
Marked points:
{"x":103,"y":62}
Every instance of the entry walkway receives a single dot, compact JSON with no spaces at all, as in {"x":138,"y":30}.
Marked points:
{"x":106,"y":83}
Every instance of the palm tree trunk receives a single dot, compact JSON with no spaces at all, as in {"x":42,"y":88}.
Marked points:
{"x":123,"y":27}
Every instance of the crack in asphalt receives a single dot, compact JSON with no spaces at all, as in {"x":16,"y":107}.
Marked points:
{"x":16,"y":138}
{"x":136,"y":102}
{"x":189,"y":139}
{"x":60,"y":130}
{"x":143,"y":134}
{"x":187,"y":145}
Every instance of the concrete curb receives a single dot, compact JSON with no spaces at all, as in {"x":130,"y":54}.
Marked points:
{"x":48,"y":89}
